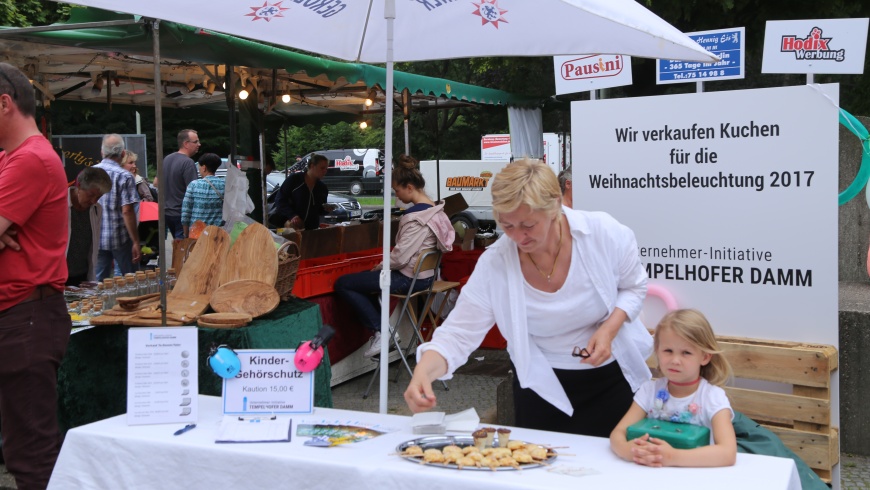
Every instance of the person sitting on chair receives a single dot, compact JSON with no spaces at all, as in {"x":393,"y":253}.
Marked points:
{"x":423,"y":226}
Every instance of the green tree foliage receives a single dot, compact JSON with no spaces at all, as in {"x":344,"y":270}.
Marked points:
{"x":25,"y":13}
{"x":293,"y":141}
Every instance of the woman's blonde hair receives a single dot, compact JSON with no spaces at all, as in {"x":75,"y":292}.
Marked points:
{"x":692,"y":326}
{"x":129,"y":155}
{"x":529,"y":182}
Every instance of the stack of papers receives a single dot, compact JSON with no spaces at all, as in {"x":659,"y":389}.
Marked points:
{"x":254,"y":429}
{"x":440,"y":422}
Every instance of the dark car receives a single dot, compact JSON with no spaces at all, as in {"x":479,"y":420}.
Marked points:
{"x":347,"y":208}
{"x":355,"y":171}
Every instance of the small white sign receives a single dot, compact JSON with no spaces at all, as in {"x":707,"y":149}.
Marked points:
{"x":268,"y":383}
{"x":495,"y":147}
{"x":162,"y":375}
{"x":585,"y":72}
{"x":815,"y":46}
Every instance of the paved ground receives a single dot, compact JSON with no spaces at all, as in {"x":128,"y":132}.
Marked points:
{"x":474,"y":385}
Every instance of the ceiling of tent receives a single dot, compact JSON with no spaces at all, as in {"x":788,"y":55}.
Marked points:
{"x":107,"y":62}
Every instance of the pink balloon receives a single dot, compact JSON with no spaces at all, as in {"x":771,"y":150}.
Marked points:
{"x":663,"y":294}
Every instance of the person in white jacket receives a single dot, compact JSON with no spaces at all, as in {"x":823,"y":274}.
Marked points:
{"x":565,"y":288}
{"x":423,"y":225}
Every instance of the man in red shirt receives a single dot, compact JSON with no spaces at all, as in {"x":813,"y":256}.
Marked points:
{"x":34,"y":324}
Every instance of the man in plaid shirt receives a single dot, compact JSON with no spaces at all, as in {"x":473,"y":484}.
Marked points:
{"x":119,"y":236}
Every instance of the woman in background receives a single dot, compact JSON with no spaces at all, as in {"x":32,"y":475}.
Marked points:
{"x":142,"y":187}
{"x":204,"y":197}
{"x":423,"y":226}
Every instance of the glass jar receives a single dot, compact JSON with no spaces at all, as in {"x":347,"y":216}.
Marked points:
{"x":108,"y":294}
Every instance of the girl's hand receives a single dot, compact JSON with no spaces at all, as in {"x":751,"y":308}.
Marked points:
{"x":654,"y":453}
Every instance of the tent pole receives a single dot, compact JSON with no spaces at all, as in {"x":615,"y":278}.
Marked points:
{"x":406,"y":113}
{"x":390,"y":16}
{"x":158,"y":154}
{"x":230,"y":95}
{"x":263,"y":178}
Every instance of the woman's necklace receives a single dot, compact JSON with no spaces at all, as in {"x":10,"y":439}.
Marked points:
{"x":552,"y":269}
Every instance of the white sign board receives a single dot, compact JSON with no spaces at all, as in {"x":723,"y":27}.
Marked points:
{"x":495,"y":147}
{"x":727,"y":44}
{"x":162,"y":375}
{"x":731,"y":196}
{"x":584,"y":72}
{"x":268,"y":382}
{"x":815,"y":46}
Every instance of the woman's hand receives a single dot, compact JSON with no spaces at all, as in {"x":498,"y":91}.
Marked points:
{"x":599,"y":346}
{"x":296,"y":222}
{"x":419,"y":395}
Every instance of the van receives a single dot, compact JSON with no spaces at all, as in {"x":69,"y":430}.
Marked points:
{"x":352,"y":171}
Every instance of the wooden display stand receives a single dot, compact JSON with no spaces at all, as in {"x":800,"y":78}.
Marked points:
{"x":802,"y":419}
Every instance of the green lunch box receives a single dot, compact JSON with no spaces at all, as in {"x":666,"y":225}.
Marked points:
{"x":680,"y":436}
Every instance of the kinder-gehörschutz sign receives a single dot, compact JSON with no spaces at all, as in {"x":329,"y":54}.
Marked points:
{"x":732,"y":198}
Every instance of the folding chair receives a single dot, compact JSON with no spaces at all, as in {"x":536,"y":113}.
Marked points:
{"x":432,"y":314}
{"x":429,"y":260}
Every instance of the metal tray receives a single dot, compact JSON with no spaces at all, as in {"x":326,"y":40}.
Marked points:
{"x":438,"y":442}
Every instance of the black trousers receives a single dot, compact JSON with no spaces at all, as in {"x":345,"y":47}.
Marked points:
{"x":600,"y":397}
{"x":33,"y":340}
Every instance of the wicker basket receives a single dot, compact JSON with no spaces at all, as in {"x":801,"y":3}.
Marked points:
{"x":288,"y":266}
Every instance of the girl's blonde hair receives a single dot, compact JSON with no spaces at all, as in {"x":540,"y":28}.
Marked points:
{"x":529,"y":182}
{"x":692,"y":326}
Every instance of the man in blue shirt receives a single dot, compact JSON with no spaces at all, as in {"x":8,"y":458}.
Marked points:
{"x":119,"y":235}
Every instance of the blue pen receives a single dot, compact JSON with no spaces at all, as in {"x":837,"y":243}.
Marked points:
{"x":185,"y":429}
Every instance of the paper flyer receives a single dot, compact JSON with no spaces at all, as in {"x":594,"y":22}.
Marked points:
{"x":162,"y":375}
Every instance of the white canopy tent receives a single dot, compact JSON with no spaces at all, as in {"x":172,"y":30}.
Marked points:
{"x":365,"y":30}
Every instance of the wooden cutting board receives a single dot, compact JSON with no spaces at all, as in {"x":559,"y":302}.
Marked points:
{"x":245,"y":296}
{"x":187,"y":305}
{"x":148,"y":322}
{"x":181,"y":249}
{"x":252,"y":256}
{"x":202,"y":269}
{"x":227,"y":317}
{"x":107,"y":320}
{"x":220,"y":325}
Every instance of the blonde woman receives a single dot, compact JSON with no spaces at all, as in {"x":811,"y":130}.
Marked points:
{"x":565,"y":288}
{"x":129,"y":164}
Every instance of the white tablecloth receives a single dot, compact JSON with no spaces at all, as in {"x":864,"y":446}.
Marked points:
{"x":111,"y":455}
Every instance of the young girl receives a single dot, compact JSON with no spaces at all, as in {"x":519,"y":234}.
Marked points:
{"x":693,"y":368}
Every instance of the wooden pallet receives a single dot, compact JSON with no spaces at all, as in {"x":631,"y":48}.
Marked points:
{"x":801,"y":419}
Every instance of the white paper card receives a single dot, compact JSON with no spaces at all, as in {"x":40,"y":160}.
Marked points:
{"x":162,"y":375}
{"x":464,"y":421}
{"x":254,"y":429}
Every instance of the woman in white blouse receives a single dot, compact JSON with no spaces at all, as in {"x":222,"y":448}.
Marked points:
{"x":565,"y":288}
